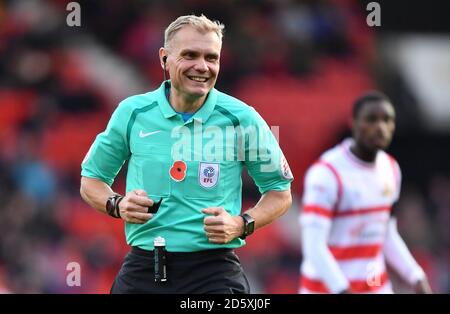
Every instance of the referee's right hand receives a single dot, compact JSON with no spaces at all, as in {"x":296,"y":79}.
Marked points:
{"x":134,"y":207}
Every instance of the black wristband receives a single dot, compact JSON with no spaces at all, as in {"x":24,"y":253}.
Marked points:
{"x":112,"y":205}
{"x":117,"y":211}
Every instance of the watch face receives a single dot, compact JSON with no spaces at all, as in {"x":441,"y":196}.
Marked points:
{"x":249,"y":224}
{"x":251,"y":227}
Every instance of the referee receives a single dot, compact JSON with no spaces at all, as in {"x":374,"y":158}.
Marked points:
{"x":186,"y":145}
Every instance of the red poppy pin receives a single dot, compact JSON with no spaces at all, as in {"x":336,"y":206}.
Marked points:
{"x":178,"y":170}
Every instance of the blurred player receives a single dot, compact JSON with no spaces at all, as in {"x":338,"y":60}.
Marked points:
{"x":348,"y":225}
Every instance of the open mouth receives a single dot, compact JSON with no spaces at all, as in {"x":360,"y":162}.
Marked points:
{"x":198,"y":79}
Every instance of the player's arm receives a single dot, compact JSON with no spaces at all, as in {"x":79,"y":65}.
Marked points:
{"x":319,"y":199}
{"x":314,"y":248}
{"x":395,"y":250}
{"x":401,"y":260}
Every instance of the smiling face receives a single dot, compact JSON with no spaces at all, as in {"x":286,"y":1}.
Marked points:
{"x":193,"y":62}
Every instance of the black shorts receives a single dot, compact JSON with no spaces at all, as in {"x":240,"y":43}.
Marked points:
{"x":209,"y":271}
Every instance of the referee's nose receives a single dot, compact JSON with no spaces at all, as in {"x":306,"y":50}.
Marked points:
{"x":201,"y":65}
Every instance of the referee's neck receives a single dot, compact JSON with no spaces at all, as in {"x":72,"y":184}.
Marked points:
{"x":184,"y":102}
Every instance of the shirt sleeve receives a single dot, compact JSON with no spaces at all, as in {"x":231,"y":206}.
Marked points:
{"x":397,"y":173}
{"x":315,"y":250}
{"x":399,"y":257}
{"x":110,"y":149}
{"x":264,"y":159}
{"x":319,"y":199}
{"x":398,"y":181}
{"x":320,"y":193}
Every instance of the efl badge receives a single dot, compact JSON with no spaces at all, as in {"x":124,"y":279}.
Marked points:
{"x":178,"y":170}
{"x":208,"y":174}
{"x":285,"y":169}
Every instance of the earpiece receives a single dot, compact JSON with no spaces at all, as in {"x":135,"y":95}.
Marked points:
{"x":164,"y":59}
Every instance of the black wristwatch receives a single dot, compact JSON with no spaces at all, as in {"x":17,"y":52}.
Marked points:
{"x":112,"y":205}
{"x":249,"y":225}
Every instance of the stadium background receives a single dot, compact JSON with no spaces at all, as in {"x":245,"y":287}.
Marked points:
{"x":299,"y":63}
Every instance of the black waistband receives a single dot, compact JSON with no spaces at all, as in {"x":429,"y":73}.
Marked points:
{"x":182,"y":255}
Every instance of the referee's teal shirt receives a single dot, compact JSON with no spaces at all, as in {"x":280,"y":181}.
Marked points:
{"x":191,"y":164}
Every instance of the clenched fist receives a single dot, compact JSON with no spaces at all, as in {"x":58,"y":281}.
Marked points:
{"x":134,"y":207}
{"x":221,"y":228}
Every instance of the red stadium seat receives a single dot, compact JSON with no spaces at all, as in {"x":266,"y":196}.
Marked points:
{"x":65,"y":143}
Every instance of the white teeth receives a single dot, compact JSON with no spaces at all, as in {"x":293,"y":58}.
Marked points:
{"x":198,"y":79}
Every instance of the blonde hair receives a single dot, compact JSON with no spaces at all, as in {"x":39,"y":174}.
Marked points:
{"x":200,"y":23}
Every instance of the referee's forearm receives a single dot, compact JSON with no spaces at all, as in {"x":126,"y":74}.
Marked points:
{"x":95,"y":193}
{"x":272,"y":205}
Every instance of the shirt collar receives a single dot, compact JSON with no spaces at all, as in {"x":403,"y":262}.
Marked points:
{"x":164,"y":104}
{"x":346,"y":144}
{"x":202,"y":114}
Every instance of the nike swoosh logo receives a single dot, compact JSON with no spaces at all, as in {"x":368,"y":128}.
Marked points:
{"x":142,"y":134}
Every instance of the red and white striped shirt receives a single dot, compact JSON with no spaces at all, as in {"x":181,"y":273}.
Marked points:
{"x":346,"y":207}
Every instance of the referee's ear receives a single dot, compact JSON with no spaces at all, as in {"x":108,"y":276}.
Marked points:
{"x":163,"y":58}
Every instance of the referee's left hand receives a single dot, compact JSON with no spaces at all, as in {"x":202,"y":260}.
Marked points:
{"x":221,"y":228}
